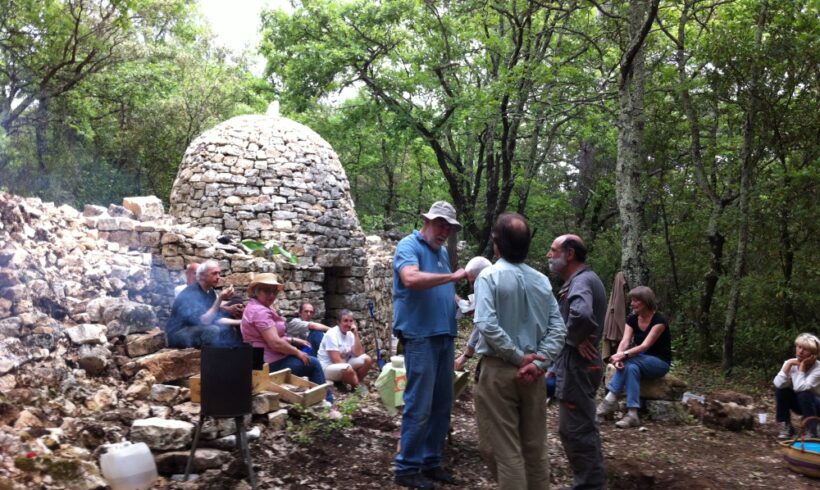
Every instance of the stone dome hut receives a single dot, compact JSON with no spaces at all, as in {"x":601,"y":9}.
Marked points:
{"x":266,"y":177}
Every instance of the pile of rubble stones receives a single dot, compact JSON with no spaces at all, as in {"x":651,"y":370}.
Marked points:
{"x":83,"y":363}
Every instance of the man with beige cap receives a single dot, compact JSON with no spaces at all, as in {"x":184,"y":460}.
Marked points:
{"x":424,"y":317}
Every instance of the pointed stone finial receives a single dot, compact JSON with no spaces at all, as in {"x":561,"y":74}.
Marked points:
{"x":273,"y":109}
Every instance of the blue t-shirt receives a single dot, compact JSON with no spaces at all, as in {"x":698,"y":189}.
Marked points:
{"x":423,"y":312}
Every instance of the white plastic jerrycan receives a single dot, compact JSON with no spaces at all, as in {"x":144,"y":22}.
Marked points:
{"x":128,"y":466}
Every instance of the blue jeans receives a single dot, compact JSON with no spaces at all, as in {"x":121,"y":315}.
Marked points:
{"x":428,"y":401}
{"x":199,"y":336}
{"x":315,"y":338}
{"x":313,"y":371}
{"x":635,"y":369}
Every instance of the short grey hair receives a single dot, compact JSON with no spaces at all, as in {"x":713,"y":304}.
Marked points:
{"x":203,"y":268}
{"x":345,"y":313}
{"x":476,"y":265}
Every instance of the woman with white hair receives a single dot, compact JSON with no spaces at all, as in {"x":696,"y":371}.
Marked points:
{"x":797,"y":386}
{"x":473,"y":269}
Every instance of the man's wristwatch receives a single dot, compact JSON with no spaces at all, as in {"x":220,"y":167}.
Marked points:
{"x":626,"y":355}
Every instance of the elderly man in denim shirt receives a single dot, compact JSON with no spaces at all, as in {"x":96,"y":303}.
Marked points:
{"x":521,"y":334}
{"x":424,"y":316}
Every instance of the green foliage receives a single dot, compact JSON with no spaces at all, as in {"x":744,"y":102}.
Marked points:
{"x":483,"y":86}
{"x":269,"y":249}
{"x":438,"y":88}
{"x":318,"y":423}
{"x":119,"y":124}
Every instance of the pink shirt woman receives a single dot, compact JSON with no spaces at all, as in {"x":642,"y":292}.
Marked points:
{"x":258,"y":318}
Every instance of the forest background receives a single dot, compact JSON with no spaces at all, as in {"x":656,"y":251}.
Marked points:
{"x":681,"y":139}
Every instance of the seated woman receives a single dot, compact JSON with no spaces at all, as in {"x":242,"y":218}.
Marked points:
{"x":263,"y":327}
{"x":797,"y":386}
{"x":341,"y":353}
{"x":648,"y":357}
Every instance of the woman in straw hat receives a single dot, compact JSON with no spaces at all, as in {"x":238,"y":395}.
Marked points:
{"x":262,"y":326}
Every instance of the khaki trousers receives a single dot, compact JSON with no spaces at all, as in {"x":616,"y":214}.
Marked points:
{"x":512,"y":426}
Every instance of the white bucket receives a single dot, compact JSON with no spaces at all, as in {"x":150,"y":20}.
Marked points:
{"x":129,"y":466}
{"x":762,"y":418}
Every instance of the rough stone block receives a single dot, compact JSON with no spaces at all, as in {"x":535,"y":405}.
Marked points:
{"x":668,"y":412}
{"x":174,"y":462}
{"x":143,"y":344}
{"x":162,"y":434}
{"x":145,"y":208}
{"x":667,"y":388}
{"x":265,"y":402}
{"x":87,"y":333}
{"x":169,"y":365}
{"x":278,"y":419}
{"x":93,"y":358}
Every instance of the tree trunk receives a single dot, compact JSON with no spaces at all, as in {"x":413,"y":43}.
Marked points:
{"x":749,"y":160}
{"x":41,"y":133}
{"x":714,"y":237}
{"x":716,"y":241}
{"x":630,"y":145}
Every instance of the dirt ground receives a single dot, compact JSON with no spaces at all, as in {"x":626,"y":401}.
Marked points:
{"x":652,"y":456}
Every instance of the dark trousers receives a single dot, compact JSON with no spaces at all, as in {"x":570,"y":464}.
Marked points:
{"x":577,"y":381}
{"x":804,"y":403}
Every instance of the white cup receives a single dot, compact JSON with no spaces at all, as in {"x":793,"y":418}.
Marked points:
{"x":761,"y":417}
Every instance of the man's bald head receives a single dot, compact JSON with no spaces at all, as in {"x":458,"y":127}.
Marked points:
{"x":567,"y":254}
{"x":573,"y":242}
{"x":511,"y":234}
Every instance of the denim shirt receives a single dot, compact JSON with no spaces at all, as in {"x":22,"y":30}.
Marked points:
{"x":517,"y":314}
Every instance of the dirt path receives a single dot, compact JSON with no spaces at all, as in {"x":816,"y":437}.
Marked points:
{"x":654,"y":456}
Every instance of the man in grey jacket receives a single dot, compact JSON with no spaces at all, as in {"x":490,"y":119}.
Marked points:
{"x":582,"y":301}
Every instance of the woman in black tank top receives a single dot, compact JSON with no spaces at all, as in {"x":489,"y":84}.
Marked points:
{"x":645,"y":352}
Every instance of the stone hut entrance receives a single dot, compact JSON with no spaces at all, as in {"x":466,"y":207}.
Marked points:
{"x":266,"y":177}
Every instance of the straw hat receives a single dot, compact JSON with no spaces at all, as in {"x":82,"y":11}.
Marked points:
{"x":268,"y":279}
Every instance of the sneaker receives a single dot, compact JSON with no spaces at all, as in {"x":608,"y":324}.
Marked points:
{"x":439,"y":474}
{"x":605,"y":408}
{"x":787,"y":432}
{"x":628,"y":421}
{"x":413,"y":480}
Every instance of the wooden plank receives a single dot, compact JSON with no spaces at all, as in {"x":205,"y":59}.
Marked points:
{"x":195,"y":385}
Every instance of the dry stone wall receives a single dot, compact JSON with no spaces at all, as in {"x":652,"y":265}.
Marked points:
{"x":82,"y":360}
{"x":268,"y":178}
{"x":379,"y":285}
